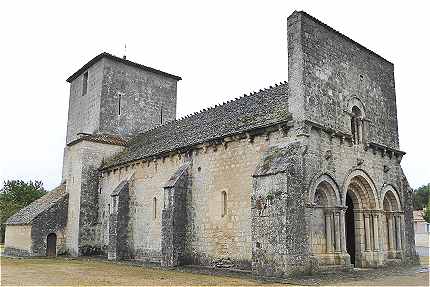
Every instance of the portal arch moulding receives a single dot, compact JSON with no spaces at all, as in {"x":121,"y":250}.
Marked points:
{"x":330,"y":187}
{"x":363,"y":189}
{"x":392,"y":195}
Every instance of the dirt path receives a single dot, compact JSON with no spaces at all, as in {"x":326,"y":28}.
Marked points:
{"x":79,"y":272}
{"x":392,"y":276}
{"x":62,"y":271}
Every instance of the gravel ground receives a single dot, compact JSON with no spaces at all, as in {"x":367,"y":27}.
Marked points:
{"x":389,"y":276}
{"x":83,"y":271}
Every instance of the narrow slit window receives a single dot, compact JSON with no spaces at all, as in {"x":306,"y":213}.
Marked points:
{"x":154,"y":206}
{"x":356,"y":126}
{"x":223,"y":203}
{"x":119,"y":104}
{"x":85,"y":84}
{"x":161,"y":114}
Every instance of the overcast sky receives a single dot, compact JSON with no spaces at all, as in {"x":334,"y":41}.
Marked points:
{"x":221,"y":49}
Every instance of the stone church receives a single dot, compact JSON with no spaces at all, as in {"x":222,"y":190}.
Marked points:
{"x":299,"y":177}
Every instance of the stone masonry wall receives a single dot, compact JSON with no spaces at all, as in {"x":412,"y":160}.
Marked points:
{"x":279,"y":224}
{"x":144,"y":96}
{"x":18,"y":240}
{"x":52,"y":220}
{"x":174,"y":217}
{"x":211,"y":237}
{"x":84,"y":159}
{"x":328,"y":72}
{"x":84,"y":110}
{"x":118,"y":223}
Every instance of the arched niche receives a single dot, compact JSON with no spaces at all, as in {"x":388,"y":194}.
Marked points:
{"x":392,"y":222}
{"x":324,"y":199}
{"x":324,"y":191}
{"x":390,"y":200}
{"x":356,"y":102}
{"x":357,"y":126}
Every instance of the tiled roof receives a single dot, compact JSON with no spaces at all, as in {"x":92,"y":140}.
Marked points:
{"x":31,"y":211}
{"x":101,"y":138}
{"x":257,"y":110}
{"x":121,"y":60}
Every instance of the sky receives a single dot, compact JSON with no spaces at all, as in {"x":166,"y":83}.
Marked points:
{"x":221,"y":49}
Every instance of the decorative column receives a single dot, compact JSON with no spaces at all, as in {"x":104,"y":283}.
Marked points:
{"x":337,"y":231}
{"x":390,"y":231}
{"x":328,"y":232}
{"x":376,"y":232}
{"x":343,"y":231}
{"x":367,"y":231}
{"x":398,"y":234}
{"x":402,"y":230}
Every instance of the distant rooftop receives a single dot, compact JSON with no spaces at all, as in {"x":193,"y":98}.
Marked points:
{"x":121,"y":60}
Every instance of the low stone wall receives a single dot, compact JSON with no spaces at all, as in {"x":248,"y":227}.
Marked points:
{"x":10,"y":251}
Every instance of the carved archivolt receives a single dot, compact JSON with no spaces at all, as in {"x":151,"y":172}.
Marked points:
{"x":362,"y":190}
{"x":390,"y":200}
{"x":324,"y":192}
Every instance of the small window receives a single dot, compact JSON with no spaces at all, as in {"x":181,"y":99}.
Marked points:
{"x":161,"y":114}
{"x":154,"y":207}
{"x":119,"y":104}
{"x":85,"y":84}
{"x":356,"y":126}
{"x":428,"y":227}
{"x":223,"y":203}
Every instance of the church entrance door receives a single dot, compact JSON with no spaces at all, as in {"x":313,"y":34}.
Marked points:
{"x":350,"y":229}
{"x":51,"y":245}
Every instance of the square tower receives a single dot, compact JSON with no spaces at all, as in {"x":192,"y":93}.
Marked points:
{"x":115,"y":96}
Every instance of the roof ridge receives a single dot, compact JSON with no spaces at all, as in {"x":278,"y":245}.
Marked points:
{"x":121,"y":60}
{"x":187,"y":116}
{"x":35,"y":208}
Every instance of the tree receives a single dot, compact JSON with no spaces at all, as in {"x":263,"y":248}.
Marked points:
{"x":421,"y":197}
{"x":426,"y":213}
{"x":15,"y":195}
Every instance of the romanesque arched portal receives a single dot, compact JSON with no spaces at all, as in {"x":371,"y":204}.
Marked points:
{"x":362,"y":220}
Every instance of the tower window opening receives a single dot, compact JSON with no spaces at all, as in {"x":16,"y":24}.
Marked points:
{"x":161,"y":114}
{"x":223,"y":203}
{"x":356,"y":126}
{"x":85,"y":84}
{"x":119,"y":104}
{"x":154,"y":206}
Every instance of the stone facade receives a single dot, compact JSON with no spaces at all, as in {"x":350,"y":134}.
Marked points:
{"x":297,"y":178}
{"x":28,"y":230}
